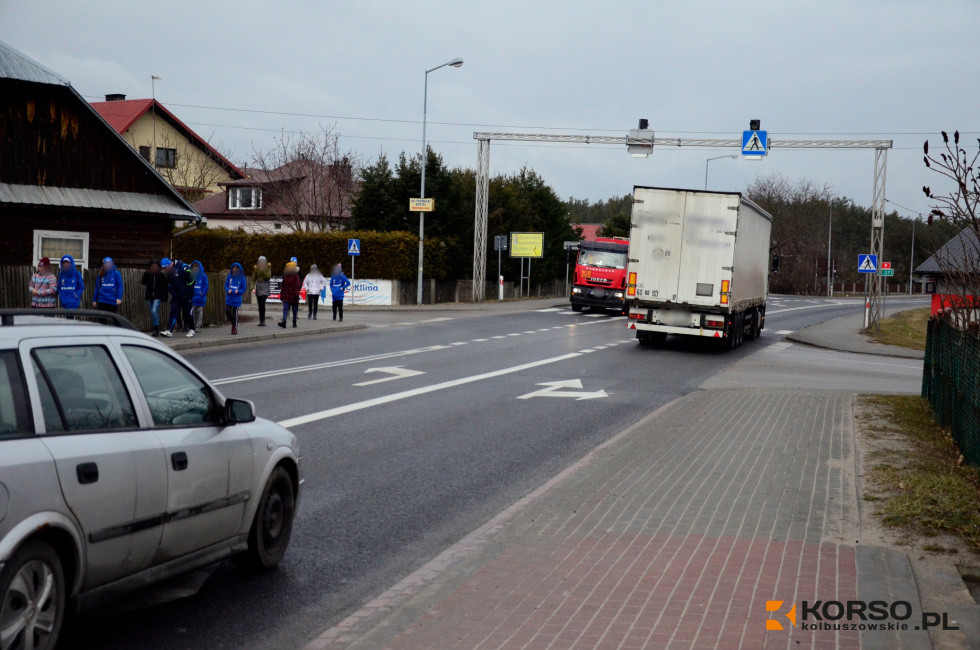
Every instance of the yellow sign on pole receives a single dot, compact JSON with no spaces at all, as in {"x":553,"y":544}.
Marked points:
{"x":421,"y":205}
{"x":527,"y":244}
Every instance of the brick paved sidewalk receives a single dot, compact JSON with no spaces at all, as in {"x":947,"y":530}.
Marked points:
{"x":675,"y":533}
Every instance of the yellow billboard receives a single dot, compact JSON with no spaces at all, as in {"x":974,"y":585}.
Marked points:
{"x":527,"y":244}
{"x":421,"y":205}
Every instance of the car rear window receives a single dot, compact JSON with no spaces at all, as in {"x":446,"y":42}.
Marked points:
{"x":14,"y":420}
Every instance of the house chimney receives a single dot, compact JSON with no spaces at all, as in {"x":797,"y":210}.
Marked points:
{"x":115,"y":97}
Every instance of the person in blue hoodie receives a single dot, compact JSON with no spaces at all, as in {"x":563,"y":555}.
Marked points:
{"x":338,"y":285}
{"x":181,"y":285}
{"x":199,"y":296}
{"x":108,"y":287}
{"x":71,"y":284}
{"x":235,"y":287}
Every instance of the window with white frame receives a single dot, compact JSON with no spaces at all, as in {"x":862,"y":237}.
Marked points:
{"x":244,"y":198}
{"x":55,"y":244}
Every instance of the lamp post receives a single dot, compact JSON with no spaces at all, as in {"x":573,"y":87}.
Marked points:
{"x":455,"y":63}
{"x":734,"y":155}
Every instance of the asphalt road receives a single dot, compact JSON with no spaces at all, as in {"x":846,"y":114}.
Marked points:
{"x":397,"y":470}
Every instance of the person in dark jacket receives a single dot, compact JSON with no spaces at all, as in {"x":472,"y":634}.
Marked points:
{"x":261,"y":288}
{"x":71,"y":284}
{"x":199,"y":296}
{"x":338,"y":285}
{"x":180,"y":282}
{"x":289,"y":293}
{"x":155,"y":283}
{"x":236,"y":284}
{"x":108,"y":287}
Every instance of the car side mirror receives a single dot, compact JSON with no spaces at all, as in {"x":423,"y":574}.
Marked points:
{"x":239,"y":411}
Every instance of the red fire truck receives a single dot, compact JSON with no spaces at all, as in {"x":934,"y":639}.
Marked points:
{"x":600,"y":274}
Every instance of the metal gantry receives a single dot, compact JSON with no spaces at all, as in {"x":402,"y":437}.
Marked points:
{"x":483,"y":138}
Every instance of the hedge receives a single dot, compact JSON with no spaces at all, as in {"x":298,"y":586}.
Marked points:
{"x":384,"y":255}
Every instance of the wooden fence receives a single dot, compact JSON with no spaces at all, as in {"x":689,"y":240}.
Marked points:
{"x":15,"y":293}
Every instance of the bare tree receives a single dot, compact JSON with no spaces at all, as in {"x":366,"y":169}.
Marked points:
{"x":308,"y":182}
{"x":959,"y":260}
{"x":193,"y":172}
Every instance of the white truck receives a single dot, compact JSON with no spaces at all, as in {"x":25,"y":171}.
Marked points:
{"x":698,"y":265}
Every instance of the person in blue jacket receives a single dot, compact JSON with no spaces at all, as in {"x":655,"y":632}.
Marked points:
{"x":235,"y":287}
{"x":108,"y":287}
{"x":71,"y":284}
{"x":181,"y":284}
{"x":338,"y":284}
{"x":199,"y":296}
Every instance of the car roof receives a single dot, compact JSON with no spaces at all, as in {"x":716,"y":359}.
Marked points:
{"x":36,"y":327}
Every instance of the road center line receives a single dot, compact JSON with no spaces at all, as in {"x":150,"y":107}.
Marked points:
{"x":415,"y":392}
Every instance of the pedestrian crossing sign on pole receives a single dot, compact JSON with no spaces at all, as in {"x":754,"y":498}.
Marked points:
{"x":867,"y":263}
{"x":755,"y":143}
{"x":353,"y":247}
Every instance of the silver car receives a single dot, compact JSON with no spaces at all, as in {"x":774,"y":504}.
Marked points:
{"x":120,"y":465}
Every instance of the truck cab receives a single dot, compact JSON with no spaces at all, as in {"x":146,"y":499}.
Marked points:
{"x":600,"y":274}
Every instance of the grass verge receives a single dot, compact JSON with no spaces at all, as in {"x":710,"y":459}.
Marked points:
{"x":906,"y":329}
{"x":919,"y":483}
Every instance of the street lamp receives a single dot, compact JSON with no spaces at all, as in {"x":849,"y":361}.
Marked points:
{"x":455,"y":63}
{"x":734,"y":155}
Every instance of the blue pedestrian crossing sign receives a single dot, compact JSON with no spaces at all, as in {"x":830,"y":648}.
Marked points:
{"x":353,"y":246}
{"x":867,"y":263}
{"x":755,"y":143}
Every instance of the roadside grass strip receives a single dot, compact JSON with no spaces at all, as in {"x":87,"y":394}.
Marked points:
{"x":919,"y":483}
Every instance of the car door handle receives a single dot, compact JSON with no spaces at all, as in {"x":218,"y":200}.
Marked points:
{"x":178,"y":460}
{"x":87,"y":473}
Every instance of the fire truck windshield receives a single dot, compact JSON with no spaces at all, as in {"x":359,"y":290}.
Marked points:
{"x":603,"y":259}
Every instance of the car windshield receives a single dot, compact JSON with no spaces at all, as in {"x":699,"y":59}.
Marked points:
{"x":604,"y":259}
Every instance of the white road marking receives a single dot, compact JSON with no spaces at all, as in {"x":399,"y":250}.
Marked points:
{"x":396,"y":372}
{"x":549,"y":309}
{"x":458,"y":343}
{"x":778,"y":347}
{"x":327,"y":364}
{"x":480,"y":340}
{"x":529,"y":332}
{"x":785,"y":331}
{"x":554,"y":389}
{"x":436,"y":320}
{"x":415,"y":392}
{"x":498,"y":337}
{"x":514,"y":334}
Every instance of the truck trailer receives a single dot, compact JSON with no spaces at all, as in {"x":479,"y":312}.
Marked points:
{"x":698,"y":265}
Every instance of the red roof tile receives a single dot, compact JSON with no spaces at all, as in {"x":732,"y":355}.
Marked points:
{"x":121,"y":115}
{"x":589,"y":230}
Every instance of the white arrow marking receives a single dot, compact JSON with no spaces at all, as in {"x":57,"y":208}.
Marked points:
{"x":554,"y":389}
{"x":396,"y":372}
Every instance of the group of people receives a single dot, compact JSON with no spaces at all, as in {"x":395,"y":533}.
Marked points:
{"x":186,"y":287}
{"x":315,"y":285}
{"x":64,"y":289}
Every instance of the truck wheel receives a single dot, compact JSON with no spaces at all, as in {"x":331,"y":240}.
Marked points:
{"x":735,"y":331}
{"x":576,"y":307}
{"x":32,"y":597}
{"x":754,"y":327}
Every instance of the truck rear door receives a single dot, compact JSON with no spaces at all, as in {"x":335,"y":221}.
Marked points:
{"x":655,"y":243}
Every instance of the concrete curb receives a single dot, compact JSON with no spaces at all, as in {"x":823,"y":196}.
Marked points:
{"x":811,"y":336}
{"x":259,"y":338}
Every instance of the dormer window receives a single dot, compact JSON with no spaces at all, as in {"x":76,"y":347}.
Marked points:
{"x":244,"y":198}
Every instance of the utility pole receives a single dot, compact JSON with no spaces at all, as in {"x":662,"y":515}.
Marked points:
{"x":912,"y":254}
{"x":830,"y":235}
{"x":153,"y":117}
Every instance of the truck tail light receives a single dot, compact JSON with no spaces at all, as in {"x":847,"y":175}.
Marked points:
{"x":638,"y":315}
{"x":714,"y":322}
{"x":631,"y":286}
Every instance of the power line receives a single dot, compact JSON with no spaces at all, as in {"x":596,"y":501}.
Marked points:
{"x":516,"y":126}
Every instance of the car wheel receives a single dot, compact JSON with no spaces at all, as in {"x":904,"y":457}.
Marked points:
{"x":273,"y":523}
{"x":576,"y":307}
{"x":32,"y":598}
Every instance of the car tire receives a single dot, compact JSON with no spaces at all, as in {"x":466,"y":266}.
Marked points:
{"x":32,"y":596}
{"x":576,"y":307}
{"x":273,"y":524}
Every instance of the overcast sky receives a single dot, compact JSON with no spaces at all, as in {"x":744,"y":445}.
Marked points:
{"x":889,"y":69}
